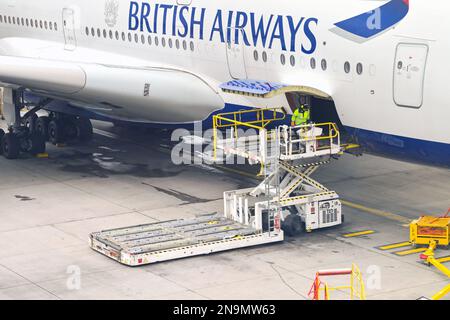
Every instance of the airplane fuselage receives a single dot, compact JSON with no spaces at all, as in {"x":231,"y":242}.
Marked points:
{"x":387,"y":79}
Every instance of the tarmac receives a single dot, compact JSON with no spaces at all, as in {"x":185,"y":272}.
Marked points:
{"x":49,"y":206}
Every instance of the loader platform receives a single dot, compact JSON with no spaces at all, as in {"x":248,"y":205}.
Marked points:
{"x":175,"y":239}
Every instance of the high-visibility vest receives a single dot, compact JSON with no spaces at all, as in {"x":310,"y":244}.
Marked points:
{"x":301,"y":117}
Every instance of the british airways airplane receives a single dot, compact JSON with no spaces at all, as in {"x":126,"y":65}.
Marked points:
{"x":378,"y":68}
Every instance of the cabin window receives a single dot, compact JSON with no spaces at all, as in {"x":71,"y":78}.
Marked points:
{"x":359,"y":69}
{"x":347,"y":67}
{"x":192,"y":45}
{"x":177,"y":44}
{"x":264,"y":56}
{"x":324,"y":64}
{"x":283,"y":59}
{"x":255,"y":55}
{"x":149,"y":40}
{"x":313,"y":63}
{"x":293,"y":61}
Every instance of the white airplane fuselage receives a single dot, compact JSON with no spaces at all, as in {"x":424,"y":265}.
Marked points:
{"x":388,"y":80}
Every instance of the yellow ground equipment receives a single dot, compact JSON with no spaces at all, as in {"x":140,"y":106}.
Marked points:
{"x":427,"y":229}
{"x":429,"y":258}
{"x":356,"y":287}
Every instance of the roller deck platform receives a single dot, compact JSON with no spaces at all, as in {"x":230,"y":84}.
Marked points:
{"x":169,"y":240}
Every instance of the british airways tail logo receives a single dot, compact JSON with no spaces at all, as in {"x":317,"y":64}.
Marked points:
{"x":373,"y":23}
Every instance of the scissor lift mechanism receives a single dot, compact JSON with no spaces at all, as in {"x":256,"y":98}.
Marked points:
{"x":251,"y":216}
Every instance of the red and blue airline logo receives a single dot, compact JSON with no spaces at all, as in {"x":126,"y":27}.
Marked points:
{"x":373,"y":23}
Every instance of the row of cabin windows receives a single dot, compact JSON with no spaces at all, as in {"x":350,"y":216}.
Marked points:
{"x":312,"y":63}
{"x":34,"y":23}
{"x":142,"y":38}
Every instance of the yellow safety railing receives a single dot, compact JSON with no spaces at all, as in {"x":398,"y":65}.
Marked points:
{"x":260,"y":119}
{"x":292,"y":136}
{"x":331,"y":126}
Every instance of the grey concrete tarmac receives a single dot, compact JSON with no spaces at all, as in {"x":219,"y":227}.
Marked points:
{"x":48,"y":207}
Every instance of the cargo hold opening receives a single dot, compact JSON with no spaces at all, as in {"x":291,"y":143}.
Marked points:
{"x":322,"y":110}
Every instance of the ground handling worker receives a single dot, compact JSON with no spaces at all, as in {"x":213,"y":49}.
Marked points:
{"x":301,"y":115}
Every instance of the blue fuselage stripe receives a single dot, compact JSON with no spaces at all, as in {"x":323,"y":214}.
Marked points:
{"x":373,"y":22}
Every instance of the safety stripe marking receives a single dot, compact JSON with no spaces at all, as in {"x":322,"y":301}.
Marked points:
{"x":409,"y":252}
{"x":358,"y":234}
{"x":394,"y":246}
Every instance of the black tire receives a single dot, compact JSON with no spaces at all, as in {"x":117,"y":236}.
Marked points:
{"x":30,"y":123}
{"x":10,"y":146}
{"x":41,"y":127}
{"x":85,"y":130}
{"x":37,"y":143}
{"x":2,"y":134}
{"x":55,"y":132}
{"x":293,"y":225}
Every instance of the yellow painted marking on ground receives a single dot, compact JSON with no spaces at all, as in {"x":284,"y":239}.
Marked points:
{"x":409,"y":252}
{"x":236,"y":171}
{"x":443,"y":259}
{"x":358,"y":234}
{"x":380,"y":213}
{"x":394,"y":245}
{"x":42,"y":155}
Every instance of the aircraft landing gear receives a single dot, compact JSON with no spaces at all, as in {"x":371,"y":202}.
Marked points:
{"x":60,"y":128}
{"x":21,"y":136}
{"x":29,"y":133}
{"x":21,"y":140}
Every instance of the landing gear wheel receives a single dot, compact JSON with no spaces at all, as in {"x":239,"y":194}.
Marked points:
{"x":37,"y":144}
{"x":10,"y":146}
{"x":84,"y":129}
{"x":41,"y":127}
{"x":30,"y":123}
{"x":293,"y":225}
{"x":55,"y":132}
